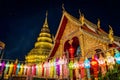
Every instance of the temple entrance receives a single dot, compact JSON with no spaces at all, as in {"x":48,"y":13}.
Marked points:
{"x":75,"y":45}
{"x":73,"y":52}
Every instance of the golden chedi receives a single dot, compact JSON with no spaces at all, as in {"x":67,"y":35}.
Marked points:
{"x":42,"y":47}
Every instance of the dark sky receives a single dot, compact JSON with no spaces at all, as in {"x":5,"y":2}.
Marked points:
{"x":21,"y":21}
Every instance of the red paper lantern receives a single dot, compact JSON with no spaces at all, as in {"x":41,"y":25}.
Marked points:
{"x":94,"y":65}
{"x":71,"y":51}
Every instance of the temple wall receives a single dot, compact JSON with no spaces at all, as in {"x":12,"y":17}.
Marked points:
{"x":91,"y":43}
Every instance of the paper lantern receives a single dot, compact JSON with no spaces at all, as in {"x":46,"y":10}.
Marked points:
{"x":117,"y":56}
{"x":18,"y":68}
{"x":71,"y":51}
{"x":71,"y":65}
{"x":2,"y":66}
{"x":87,"y":63}
{"x":82,"y":68}
{"x":102,"y":65}
{"x":6,"y":67}
{"x":110,"y":61}
{"x":10,"y":69}
{"x":94,"y":66}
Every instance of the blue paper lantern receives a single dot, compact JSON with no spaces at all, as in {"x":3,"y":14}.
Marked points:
{"x":117,"y":56}
{"x":87,"y":63}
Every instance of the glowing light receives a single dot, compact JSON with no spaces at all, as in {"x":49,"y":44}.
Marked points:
{"x":117,"y":56}
{"x":87,"y":63}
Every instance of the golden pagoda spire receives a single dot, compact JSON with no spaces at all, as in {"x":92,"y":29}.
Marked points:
{"x":42,"y":46}
{"x":111,"y":34}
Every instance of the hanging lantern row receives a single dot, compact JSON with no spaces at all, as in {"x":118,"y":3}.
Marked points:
{"x":60,"y":67}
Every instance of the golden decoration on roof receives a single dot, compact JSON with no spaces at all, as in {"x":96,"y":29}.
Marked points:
{"x":70,"y":42}
{"x":98,"y":23}
{"x":82,"y":18}
{"x":63,"y":7}
{"x":111,"y":34}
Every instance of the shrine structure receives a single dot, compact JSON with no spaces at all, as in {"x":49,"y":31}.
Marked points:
{"x":85,"y":37}
{"x":42,"y":47}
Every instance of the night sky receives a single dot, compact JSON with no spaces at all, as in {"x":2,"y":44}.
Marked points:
{"x":21,"y":21}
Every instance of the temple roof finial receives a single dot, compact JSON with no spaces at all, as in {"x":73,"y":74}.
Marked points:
{"x":98,"y":23}
{"x":63,"y":7}
{"x":81,"y":17}
{"x":80,"y":13}
{"x":46,"y":23}
{"x":46,"y":13}
{"x":111,"y":34}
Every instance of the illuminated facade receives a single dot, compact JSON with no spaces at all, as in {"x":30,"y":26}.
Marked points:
{"x":80,"y":48}
{"x":85,"y":35}
{"x":42,"y":47}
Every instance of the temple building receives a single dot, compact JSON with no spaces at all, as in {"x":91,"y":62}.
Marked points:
{"x":42,"y":47}
{"x":85,"y":37}
{"x":80,"y":50}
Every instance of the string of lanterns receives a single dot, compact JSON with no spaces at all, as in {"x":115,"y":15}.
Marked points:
{"x":60,"y":67}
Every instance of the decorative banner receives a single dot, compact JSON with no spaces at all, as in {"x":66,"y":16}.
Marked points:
{"x":54,"y":62}
{"x":33,"y":70}
{"x":57,"y":67}
{"x":102,"y":64}
{"x":10,"y":69}
{"x":14,"y":68}
{"x":88,"y":73}
{"x":29,"y":70}
{"x":71,"y":69}
{"x":87,"y":66}
{"x":51,"y":69}
{"x":18,"y":68}
{"x":76,"y":67}
{"x":82,"y":69}
{"x":6,"y":67}
{"x":61,"y":62}
{"x":2,"y":66}
{"x":45,"y":69}
{"x":94,"y":66}
{"x":65,"y":68}
{"x":110,"y":61}
{"x":25,"y":69}
{"x":21,"y":69}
